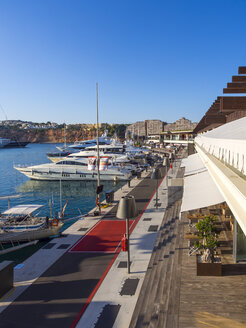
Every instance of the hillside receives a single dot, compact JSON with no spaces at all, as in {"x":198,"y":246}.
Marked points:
{"x":55,"y":135}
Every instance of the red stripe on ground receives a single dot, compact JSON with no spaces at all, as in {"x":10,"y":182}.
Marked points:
{"x":89,"y":299}
{"x":104,"y":237}
{"x":132,"y":226}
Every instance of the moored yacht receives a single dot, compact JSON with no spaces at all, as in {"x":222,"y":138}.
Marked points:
{"x":72,"y":169}
{"x":113,"y":151}
{"x":80,"y":145}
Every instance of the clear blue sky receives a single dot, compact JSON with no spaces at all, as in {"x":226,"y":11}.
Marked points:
{"x":151,"y":59}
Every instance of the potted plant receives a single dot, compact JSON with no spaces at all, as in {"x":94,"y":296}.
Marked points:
{"x":207,"y":263}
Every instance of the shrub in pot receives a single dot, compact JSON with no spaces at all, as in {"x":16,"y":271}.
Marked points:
{"x":208,"y":234}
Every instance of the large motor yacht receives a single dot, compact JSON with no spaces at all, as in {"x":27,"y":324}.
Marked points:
{"x":113,"y":151}
{"x":103,"y":140}
{"x":72,"y":169}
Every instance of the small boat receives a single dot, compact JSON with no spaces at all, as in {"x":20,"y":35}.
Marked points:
{"x":18,"y":224}
{"x":19,"y":218}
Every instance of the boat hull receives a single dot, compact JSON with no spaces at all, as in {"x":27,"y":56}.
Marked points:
{"x":49,"y":175}
{"x":7,"y":237}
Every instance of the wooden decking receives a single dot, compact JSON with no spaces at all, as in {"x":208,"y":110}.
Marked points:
{"x":173,"y":296}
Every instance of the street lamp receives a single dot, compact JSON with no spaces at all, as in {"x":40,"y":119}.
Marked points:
{"x":156,"y":174}
{"x":127,"y":210}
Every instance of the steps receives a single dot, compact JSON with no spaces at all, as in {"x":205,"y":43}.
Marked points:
{"x":157,"y":303}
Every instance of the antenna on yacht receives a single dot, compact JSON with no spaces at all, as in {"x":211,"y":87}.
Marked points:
{"x":98,"y":160}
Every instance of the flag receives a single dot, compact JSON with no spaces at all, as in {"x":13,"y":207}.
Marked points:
{"x":91,"y":163}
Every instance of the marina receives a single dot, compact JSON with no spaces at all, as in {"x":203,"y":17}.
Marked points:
{"x":88,"y":258}
{"x":122,"y":164}
{"x":79,"y":194}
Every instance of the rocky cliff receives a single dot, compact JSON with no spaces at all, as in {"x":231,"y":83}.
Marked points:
{"x":46,"y":135}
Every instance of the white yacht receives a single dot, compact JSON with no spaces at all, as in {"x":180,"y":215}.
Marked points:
{"x":103,"y":140}
{"x":19,"y":224}
{"x":72,"y":169}
{"x":78,"y":145}
{"x":112,"y":150}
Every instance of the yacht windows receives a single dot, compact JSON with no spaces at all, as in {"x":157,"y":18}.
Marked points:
{"x":71,"y":163}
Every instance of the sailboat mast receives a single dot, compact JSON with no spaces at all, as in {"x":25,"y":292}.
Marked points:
{"x":98,"y":154}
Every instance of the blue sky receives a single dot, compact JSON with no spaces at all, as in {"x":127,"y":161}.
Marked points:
{"x":151,"y":59}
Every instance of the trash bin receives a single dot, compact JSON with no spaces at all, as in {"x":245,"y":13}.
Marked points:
{"x":139,"y":175}
{"x":109,"y":196}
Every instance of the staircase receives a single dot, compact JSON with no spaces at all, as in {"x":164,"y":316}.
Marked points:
{"x":158,"y":302}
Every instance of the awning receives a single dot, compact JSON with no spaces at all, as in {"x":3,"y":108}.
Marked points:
{"x":193,"y":164}
{"x":22,"y":210}
{"x":200,"y":191}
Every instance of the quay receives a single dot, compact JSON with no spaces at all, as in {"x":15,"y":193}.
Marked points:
{"x":83,"y":282}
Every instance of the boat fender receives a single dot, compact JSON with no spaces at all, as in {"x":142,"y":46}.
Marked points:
{"x":97,"y":202}
{"x":54,"y":222}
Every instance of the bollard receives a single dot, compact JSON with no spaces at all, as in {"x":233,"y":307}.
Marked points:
{"x":129,"y":183}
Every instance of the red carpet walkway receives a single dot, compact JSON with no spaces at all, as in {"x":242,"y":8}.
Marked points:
{"x":104,"y":237}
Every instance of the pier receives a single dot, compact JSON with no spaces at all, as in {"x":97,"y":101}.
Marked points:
{"x":81,"y":280}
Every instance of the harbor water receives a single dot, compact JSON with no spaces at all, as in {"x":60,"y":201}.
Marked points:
{"x":80,"y":196}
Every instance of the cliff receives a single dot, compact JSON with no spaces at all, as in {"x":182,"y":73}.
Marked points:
{"x":47,"y":135}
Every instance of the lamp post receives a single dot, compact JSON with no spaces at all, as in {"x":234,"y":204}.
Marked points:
{"x":127,"y":210}
{"x":156,"y":174}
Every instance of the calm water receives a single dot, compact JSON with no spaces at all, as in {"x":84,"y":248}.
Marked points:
{"x":80,"y":195}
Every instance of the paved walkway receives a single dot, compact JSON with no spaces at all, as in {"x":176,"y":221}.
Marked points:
{"x":114,"y":303}
{"x":54,"y":286}
{"x":57,"y":288}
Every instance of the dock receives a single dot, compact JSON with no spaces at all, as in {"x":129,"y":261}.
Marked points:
{"x":81,"y":280}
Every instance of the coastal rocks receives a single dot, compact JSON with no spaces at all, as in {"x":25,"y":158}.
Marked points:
{"x":46,"y":135}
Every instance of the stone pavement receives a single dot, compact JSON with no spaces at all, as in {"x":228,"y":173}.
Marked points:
{"x":51,"y":277}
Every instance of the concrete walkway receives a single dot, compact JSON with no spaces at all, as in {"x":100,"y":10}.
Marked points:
{"x":53,"y":286}
{"x":114,"y":302}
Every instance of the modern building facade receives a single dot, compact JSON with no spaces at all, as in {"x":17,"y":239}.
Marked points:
{"x":179,"y":132}
{"x":221,"y":145}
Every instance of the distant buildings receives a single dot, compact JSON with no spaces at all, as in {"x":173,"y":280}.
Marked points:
{"x":157,"y":131}
{"x":144,"y":128}
{"x":180,"y":125}
{"x":28,"y":125}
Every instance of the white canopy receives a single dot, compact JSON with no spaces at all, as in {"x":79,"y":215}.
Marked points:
{"x":22,"y":210}
{"x":193,"y":165}
{"x":227,"y":143}
{"x":200,"y":191}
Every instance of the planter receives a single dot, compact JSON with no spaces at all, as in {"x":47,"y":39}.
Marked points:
{"x":208,"y":269}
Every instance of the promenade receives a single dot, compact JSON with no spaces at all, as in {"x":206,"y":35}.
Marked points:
{"x":81,"y":280}
{"x":54,"y":285}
